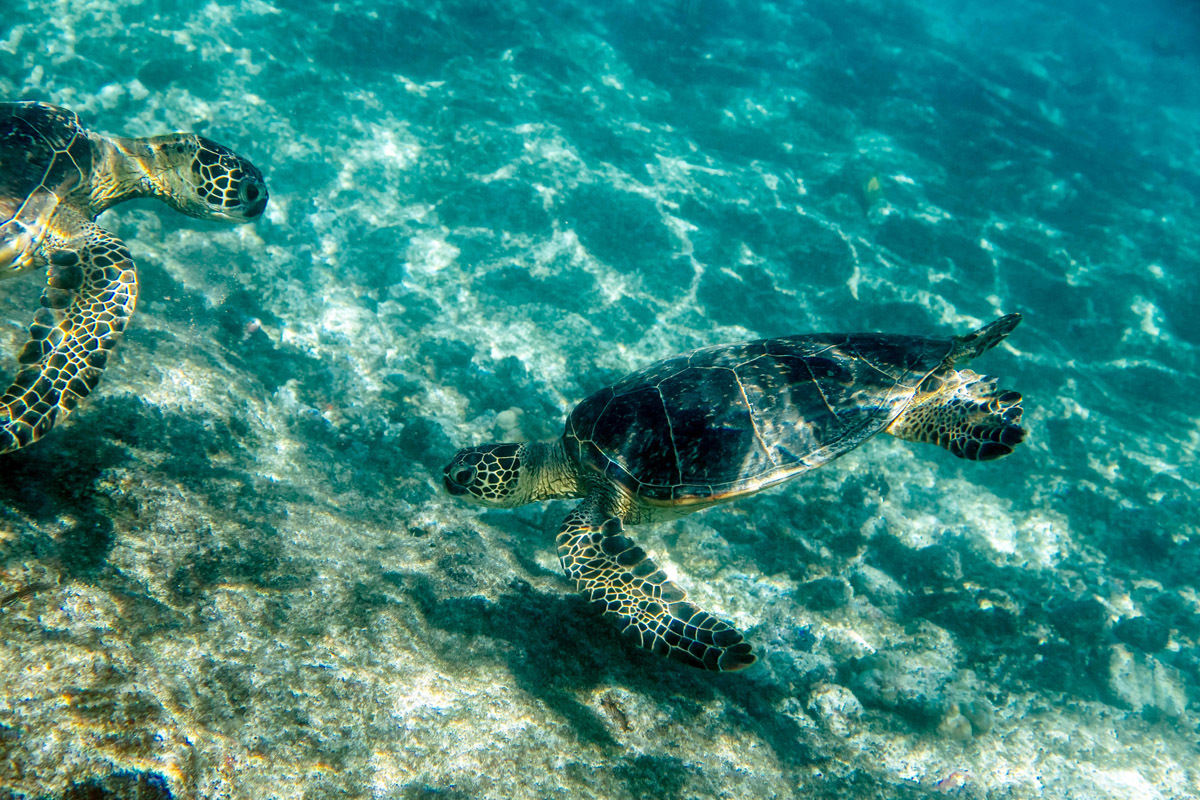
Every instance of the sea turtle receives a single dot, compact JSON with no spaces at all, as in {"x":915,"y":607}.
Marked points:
{"x":55,"y":178}
{"x":719,"y":423}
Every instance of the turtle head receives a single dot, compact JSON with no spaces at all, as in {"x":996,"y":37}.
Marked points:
{"x":203,"y":179}
{"x":489,"y":475}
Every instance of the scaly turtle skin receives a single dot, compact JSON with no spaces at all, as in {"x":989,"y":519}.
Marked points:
{"x":720,"y":423}
{"x":55,"y":178}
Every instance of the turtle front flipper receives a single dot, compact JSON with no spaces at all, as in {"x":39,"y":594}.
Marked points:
{"x":618,"y":576}
{"x":91,"y":291}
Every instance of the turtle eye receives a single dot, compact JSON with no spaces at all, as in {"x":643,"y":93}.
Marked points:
{"x":252,"y":193}
{"x":463,"y":476}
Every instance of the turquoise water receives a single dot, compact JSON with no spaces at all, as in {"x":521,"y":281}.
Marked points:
{"x":233,"y":572}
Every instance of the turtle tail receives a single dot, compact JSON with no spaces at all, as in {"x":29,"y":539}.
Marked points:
{"x":977,"y":342}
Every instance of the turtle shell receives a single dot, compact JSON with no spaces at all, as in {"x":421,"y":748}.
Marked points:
{"x":732,"y":419}
{"x":45,"y":155}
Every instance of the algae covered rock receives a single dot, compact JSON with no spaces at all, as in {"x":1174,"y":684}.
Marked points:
{"x":835,"y":707}
{"x":912,"y":683}
{"x":1145,"y":684}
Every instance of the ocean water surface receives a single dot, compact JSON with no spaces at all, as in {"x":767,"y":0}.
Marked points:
{"x":233,"y":572}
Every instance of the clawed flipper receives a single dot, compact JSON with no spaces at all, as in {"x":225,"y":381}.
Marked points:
{"x":618,"y":576}
{"x":91,"y":291}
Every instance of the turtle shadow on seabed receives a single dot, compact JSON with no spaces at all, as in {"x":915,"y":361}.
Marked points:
{"x":559,"y":649}
{"x":53,"y":486}
{"x":561,"y":652}
{"x":119,"y":785}
{"x":1020,"y":628}
{"x":62,"y":495}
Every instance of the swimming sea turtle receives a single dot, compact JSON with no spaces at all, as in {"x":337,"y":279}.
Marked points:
{"x":720,"y":423}
{"x":55,"y":178}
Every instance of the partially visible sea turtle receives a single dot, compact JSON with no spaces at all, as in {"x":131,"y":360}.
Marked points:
{"x":720,"y":423}
{"x":55,"y":178}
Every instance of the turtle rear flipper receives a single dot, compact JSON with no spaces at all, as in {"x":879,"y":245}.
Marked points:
{"x":618,"y":576}
{"x":68,"y":347}
{"x":979,"y":341}
{"x":964,"y":413}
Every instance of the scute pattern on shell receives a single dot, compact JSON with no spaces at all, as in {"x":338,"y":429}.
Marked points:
{"x":42,"y":147}
{"x":730,"y":419}
{"x":45,"y":156}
